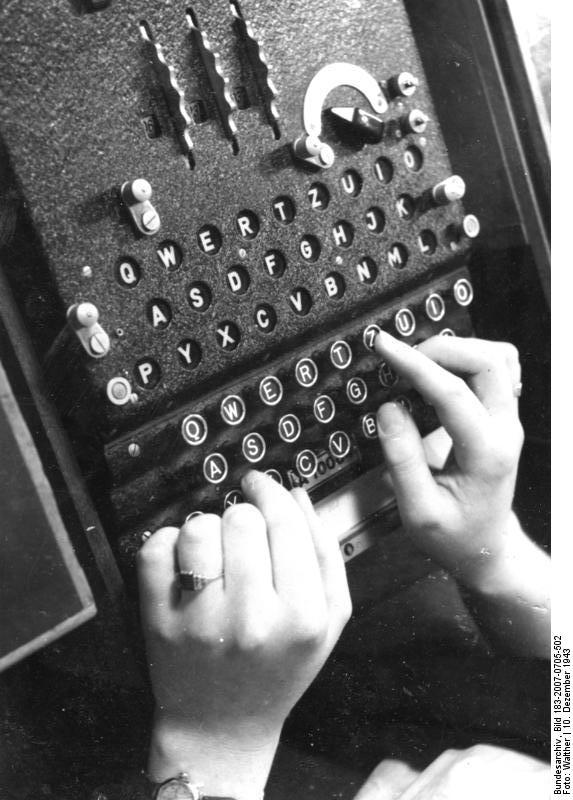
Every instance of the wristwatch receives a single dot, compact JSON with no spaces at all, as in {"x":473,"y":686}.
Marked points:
{"x":181,"y":788}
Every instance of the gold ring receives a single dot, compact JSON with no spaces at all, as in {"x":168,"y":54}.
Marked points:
{"x":193,"y":582}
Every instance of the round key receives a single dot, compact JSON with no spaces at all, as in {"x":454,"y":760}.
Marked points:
{"x":435,"y":307}
{"x":233,"y":409}
{"x":404,"y":322}
{"x":253,"y":447}
{"x":232,"y":498}
{"x":340,"y":354}
{"x":387,"y":376}
{"x":215,"y":468}
{"x":306,"y":372}
{"x":194,"y":429}
{"x":369,"y":336}
{"x":463,"y":292}
{"x":289,"y":428}
{"x":368,"y":424}
{"x":324,"y":408}
{"x":356,"y":391}
{"x":339,"y":444}
{"x":275,"y":475}
{"x":306,"y":463}
{"x":270,"y":390}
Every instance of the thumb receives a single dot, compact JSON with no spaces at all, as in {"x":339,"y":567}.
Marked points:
{"x":416,"y":491}
{"x":388,"y":781}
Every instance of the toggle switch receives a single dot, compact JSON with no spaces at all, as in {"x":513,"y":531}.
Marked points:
{"x":137,"y":195}
{"x":463,"y":231}
{"x":449,"y":190}
{"x":313,"y":151}
{"x":415,"y":121}
{"x":403,"y":85}
{"x":84,"y":320}
{"x":368,"y":126}
{"x":469,"y":227}
{"x":84,"y":315}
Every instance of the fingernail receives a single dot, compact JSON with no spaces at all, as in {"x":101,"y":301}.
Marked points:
{"x":192,"y":515}
{"x":390,"y":419}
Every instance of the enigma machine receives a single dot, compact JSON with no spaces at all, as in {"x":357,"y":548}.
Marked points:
{"x":208,"y":211}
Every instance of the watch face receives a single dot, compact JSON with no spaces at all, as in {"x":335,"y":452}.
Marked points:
{"x":175,"y":789}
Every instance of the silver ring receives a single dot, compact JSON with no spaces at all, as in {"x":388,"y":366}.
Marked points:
{"x":517,"y":389}
{"x":193,"y":582}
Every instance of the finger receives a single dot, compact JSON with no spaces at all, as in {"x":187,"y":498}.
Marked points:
{"x":248,"y":570}
{"x":156,"y":563}
{"x":417,"y":494}
{"x":459,"y":410}
{"x":388,"y":781}
{"x":330,"y":561}
{"x":199,"y":551}
{"x":434,"y":780}
{"x":514,"y":367}
{"x":296,"y":573}
{"x":491,"y":368}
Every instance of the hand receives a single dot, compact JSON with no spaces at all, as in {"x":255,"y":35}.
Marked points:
{"x":478,"y":772}
{"x":388,"y":781}
{"x":228,"y":663}
{"x":462,"y":516}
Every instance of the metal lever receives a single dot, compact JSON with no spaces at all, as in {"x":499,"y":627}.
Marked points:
{"x":309,"y":147}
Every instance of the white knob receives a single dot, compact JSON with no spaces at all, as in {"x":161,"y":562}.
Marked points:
{"x":448,"y":190}
{"x":86,"y":314}
{"x":140,"y":190}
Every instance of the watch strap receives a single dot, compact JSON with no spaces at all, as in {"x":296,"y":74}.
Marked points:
{"x":137,"y":786}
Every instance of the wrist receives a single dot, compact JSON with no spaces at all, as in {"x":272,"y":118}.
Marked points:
{"x":502,"y":569}
{"x":511,"y":597}
{"x":232,"y":761}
